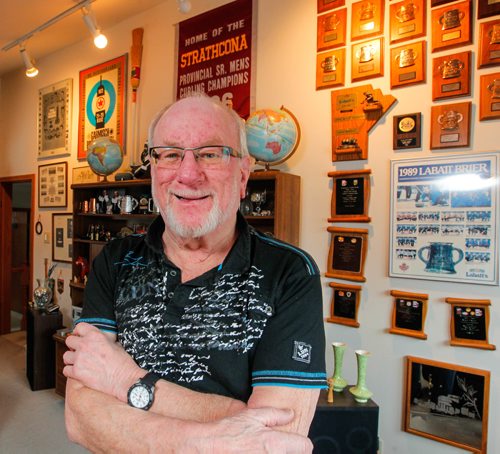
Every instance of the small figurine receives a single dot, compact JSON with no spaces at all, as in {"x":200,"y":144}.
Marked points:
{"x":370,"y":102}
{"x":330,"y":382}
{"x":115,"y":202}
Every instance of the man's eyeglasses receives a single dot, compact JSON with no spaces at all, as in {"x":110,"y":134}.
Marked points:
{"x":208,"y":156}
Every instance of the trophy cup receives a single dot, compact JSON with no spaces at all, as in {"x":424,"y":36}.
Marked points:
{"x":450,"y":120}
{"x":406,"y":57}
{"x":406,"y":12}
{"x":450,"y":69}
{"x":451,"y":19}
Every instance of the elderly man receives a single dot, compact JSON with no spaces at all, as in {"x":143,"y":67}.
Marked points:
{"x":202,"y":335}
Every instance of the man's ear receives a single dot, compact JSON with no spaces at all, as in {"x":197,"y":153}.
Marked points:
{"x":246,"y":163}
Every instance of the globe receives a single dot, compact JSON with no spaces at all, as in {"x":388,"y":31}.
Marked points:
{"x":104,"y":156}
{"x":272,"y":135}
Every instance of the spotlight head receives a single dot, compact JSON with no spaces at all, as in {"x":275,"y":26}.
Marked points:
{"x":29,"y":63}
{"x":184,"y":6}
{"x":100,"y":41}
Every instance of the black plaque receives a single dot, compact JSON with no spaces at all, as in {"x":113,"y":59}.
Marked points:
{"x":406,"y":131}
{"x":347,"y":252}
{"x":409,"y":314}
{"x":470,"y":322}
{"x":350,"y":196}
{"x":344,"y":304}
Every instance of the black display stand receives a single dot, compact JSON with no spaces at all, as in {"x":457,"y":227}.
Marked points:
{"x":40,"y":354}
{"x":344,"y":427}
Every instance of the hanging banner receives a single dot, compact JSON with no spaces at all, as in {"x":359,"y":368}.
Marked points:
{"x":215,"y":55}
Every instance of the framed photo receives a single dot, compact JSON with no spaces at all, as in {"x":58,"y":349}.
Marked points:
{"x":102,"y":103}
{"x":53,"y":185}
{"x":327,"y":5}
{"x":489,"y":44}
{"x":450,"y":125}
{"x":367,"y":19}
{"x":350,"y":195}
{"x":347,"y":255}
{"x":367,"y":59}
{"x":487,"y":8}
{"x":407,"y":20}
{"x":489,"y":98}
{"x":451,"y":75}
{"x":441,"y":397}
{"x":408,"y":64}
{"x":54,"y":119}
{"x":408,"y":314}
{"x":344,"y":304}
{"x":451,"y":26}
{"x":330,"y":69}
{"x":470,"y":320}
{"x":84,"y":174}
{"x":407,"y":132}
{"x":332,"y":30}
{"x":62,"y":237}
{"x":440,"y":207}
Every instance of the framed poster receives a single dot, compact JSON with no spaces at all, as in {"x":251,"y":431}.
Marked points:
{"x":447,"y":403}
{"x":408,"y":314}
{"x":451,"y":75}
{"x":489,"y":44}
{"x":330,"y":69}
{"x":367,"y":59}
{"x":327,"y":5}
{"x":487,"y":8}
{"x":451,"y":26}
{"x":489,"y":97}
{"x":102,"y":103}
{"x":440,"y":208}
{"x":367,"y":19}
{"x":62,"y":237}
{"x":450,"y":125}
{"x":54,"y":119}
{"x":344,"y":304}
{"x":407,"y":20}
{"x":332,"y":30}
{"x":469,"y":323}
{"x":84,"y":174}
{"x":350,"y":195}
{"x":408,"y":64}
{"x":407,"y":131}
{"x":53,"y":185}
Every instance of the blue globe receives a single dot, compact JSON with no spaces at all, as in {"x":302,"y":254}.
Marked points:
{"x":104,"y":156}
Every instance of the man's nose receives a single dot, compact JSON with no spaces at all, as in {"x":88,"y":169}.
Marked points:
{"x":189,"y":168}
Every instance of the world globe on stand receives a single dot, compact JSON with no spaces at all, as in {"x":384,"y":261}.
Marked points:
{"x":104,"y":156}
{"x":272,"y":135}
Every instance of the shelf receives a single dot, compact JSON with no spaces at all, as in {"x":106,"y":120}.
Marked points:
{"x":111,"y":184}
{"x":77,"y":285}
{"x":115,"y":217}
{"x":82,"y":240}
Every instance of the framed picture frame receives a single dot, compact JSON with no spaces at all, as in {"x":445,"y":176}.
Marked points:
{"x":408,"y":314}
{"x":408,"y":64}
{"x":470,"y":320}
{"x":367,"y":19}
{"x":450,"y":125}
{"x":102,"y":103}
{"x":327,"y":5}
{"x":451,"y":26}
{"x":435,"y":389}
{"x":54,"y":119}
{"x":489,"y":96}
{"x":83,"y":175}
{"x":62,"y":237}
{"x":487,"y":8}
{"x":439,"y":206}
{"x":344,"y":304}
{"x":330,"y":69}
{"x":53,"y":185}
{"x":489,"y":44}
{"x":407,"y":131}
{"x":407,"y":20}
{"x":367,"y":59}
{"x":331,"y":30}
{"x":347,"y":254}
{"x":451,"y":75}
{"x":350,"y":195}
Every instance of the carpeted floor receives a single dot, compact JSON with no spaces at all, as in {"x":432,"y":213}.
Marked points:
{"x":30,"y":421}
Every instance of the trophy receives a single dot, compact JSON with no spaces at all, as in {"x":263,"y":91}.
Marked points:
{"x":258,"y":198}
{"x":406,"y":12}
{"x":450,"y":69}
{"x":451,"y":19}
{"x":365,"y":54}
{"x":449,"y":120}
{"x":406,"y":57}
{"x":367,"y":11}
{"x":331,"y":22}
{"x":329,"y":64}
{"x":495,"y":34}
{"x":494,"y":89}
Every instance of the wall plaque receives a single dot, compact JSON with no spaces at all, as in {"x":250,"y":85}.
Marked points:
{"x":327,"y":5}
{"x":408,"y":314}
{"x":489,"y":100}
{"x":332,"y":30}
{"x":451,"y":75}
{"x":489,"y":44}
{"x":407,"y":19}
{"x":367,"y":59}
{"x":367,"y":19}
{"x":451,"y":26}
{"x":330,"y":69}
{"x":350,"y":196}
{"x":344,"y":304}
{"x":450,"y":125}
{"x":408,"y":64}
{"x":487,"y":8}
{"x":406,"y":131}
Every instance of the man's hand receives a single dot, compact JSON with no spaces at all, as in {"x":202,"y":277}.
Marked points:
{"x":98,"y":362}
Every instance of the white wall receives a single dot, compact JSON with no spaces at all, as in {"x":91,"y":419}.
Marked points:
{"x":285,"y":74}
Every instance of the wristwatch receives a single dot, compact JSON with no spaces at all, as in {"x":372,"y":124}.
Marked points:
{"x":141,"y":394}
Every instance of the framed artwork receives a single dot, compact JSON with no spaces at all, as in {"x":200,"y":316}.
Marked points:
{"x":54,"y":119}
{"x":451,"y":26}
{"x":84,"y":174}
{"x":367,"y":19}
{"x":441,"y":397}
{"x":102,"y":103}
{"x":53,"y":185}
{"x":62,"y":237}
{"x":407,"y":132}
{"x":350,"y":195}
{"x":330,"y":69}
{"x":367,"y":59}
{"x":450,"y":125}
{"x":407,"y":20}
{"x":440,"y":208}
{"x":408,"y":64}
{"x":347,"y":255}
{"x":344,"y":304}
{"x":327,"y":5}
{"x":487,"y":8}
{"x":489,"y":44}
{"x":408,"y":314}
{"x":489,"y":98}
{"x":470,"y":320}
{"x":332,"y":30}
{"x":451,"y":75}
{"x":439,"y":2}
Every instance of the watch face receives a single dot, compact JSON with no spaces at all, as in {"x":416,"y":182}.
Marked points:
{"x":140,"y":396}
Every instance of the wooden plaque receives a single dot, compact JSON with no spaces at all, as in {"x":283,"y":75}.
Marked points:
{"x":327,"y":5}
{"x":489,"y":101}
{"x":332,"y":30}
{"x":407,"y":132}
{"x":487,"y":8}
{"x":346,"y":258}
{"x":407,"y":19}
{"x":367,"y":19}
{"x":330,"y":69}
{"x":451,"y":26}
{"x":344,"y":304}
{"x":489,"y":44}
{"x":408,"y":64}
{"x":450,"y":125}
{"x":408,"y":314}
{"x":367,"y":59}
{"x":439,"y":2}
{"x":350,"y":196}
{"x":469,"y":323}
{"x":451,"y":76}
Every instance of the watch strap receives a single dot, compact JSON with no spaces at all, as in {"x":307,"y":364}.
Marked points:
{"x":149,"y":379}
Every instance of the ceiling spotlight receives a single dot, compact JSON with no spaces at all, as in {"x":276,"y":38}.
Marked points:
{"x":184,"y":6}
{"x":100,"y":40}
{"x":31,"y":69}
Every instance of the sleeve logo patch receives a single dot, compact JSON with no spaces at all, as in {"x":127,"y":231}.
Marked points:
{"x":302,"y":352}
